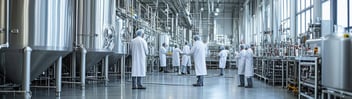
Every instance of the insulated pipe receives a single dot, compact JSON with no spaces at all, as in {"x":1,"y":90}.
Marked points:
{"x":106,"y":71}
{"x":293,"y":19}
{"x":83,"y":67}
{"x":26,"y":72}
{"x":7,"y":23}
{"x":317,"y":11}
{"x":58,"y":76}
{"x":6,"y":29}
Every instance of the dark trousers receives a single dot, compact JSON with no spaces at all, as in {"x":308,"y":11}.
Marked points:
{"x":136,"y":81}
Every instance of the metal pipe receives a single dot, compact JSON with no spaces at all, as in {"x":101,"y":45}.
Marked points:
{"x":123,"y":68}
{"x":317,"y":11}
{"x":58,"y":76}
{"x":6,"y":28}
{"x":7,"y":23}
{"x":106,"y":73}
{"x":43,"y":86}
{"x":73,"y":65}
{"x":293,"y":19}
{"x":83,"y":67}
{"x":26,"y":72}
{"x":333,"y":14}
{"x":7,"y":91}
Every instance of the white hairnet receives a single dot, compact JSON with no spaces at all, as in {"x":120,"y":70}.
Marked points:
{"x":140,"y":32}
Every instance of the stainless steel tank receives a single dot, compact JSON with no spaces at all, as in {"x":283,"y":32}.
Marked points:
{"x":164,"y":38}
{"x":44,"y":25}
{"x":119,"y":47}
{"x":336,"y":61}
{"x":95,"y":28}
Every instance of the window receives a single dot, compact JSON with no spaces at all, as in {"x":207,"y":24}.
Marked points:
{"x":326,"y":11}
{"x":308,"y":3}
{"x":350,"y":16}
{"x":342,"y":13}
{"x":298,"y":5}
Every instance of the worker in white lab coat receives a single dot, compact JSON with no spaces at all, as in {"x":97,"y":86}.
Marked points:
{"x":199,"y":51}
{"x":186,"y":60}
{"x":241,"y":64}
{"x":139,"y":51}
{"x":249,"y":67}
{"x":222,"y":59}
{"x":176,"y":59}
{"x":162,"y":56}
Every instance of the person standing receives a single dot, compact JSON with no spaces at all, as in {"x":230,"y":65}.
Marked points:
{"x":176,"y":59}
{"x":139,"y":51}
{"x":162,"y":56}
{"x":241,"y":64}
{"x":222,"y":59}
{"x":249,"y":66}
{"x":198,"y":51}
{"x":186,"y":60}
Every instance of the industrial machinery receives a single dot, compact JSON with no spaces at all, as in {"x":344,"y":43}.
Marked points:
{"x":336,"y":76}
{"x":40,"y":35}
{"x":93,"y":38}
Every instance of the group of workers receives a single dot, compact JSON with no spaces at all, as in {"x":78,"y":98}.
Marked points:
{"x":198,"y":51}
{"x":245,"y":65}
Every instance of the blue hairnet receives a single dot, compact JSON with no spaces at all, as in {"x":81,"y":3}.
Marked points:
{"x":140,"y":32}
{"x":196,"y":38}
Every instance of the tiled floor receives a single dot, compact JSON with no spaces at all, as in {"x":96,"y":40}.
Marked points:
{"x":168,"y":86}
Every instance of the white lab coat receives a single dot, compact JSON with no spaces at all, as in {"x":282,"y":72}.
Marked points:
{"x":223,"y":58}
{"x":199,"y":51}
{"x":249,"y":63}
{"x":162,"y":56}
{"x":139,"y":51}
{"x":186,"y":60}
{"x":241,"y":62}
{"x":176,"y":57}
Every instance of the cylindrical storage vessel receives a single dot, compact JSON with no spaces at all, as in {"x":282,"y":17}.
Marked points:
{"x":95,"y":28}
{"x":120,"y":29}
{"x":336,"y":61}
{"x":119,"y":47}
{"x":163,"y":38}
{"x":44,"y":25}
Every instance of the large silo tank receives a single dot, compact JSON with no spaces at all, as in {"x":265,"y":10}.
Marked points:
{"x":336,"y":59}
{"x":44,"y":25}
{"x":95,"y":29}
{"x":119,"y":48}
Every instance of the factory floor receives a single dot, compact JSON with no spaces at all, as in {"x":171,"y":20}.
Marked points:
{"x":168,"y":86}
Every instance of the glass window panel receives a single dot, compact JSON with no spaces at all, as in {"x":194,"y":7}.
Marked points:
{"x":350,"y":16}
{"x":307,"y":3}
{"x":303,"y":22}
{"x":302,"y":5}
{"x":326,"y":11}
{"x":288,"y":8}
{"x":284,"y":9}
{"x":342,"y":12}
{"x":298,"y":5}
{"x":308,"y":20}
